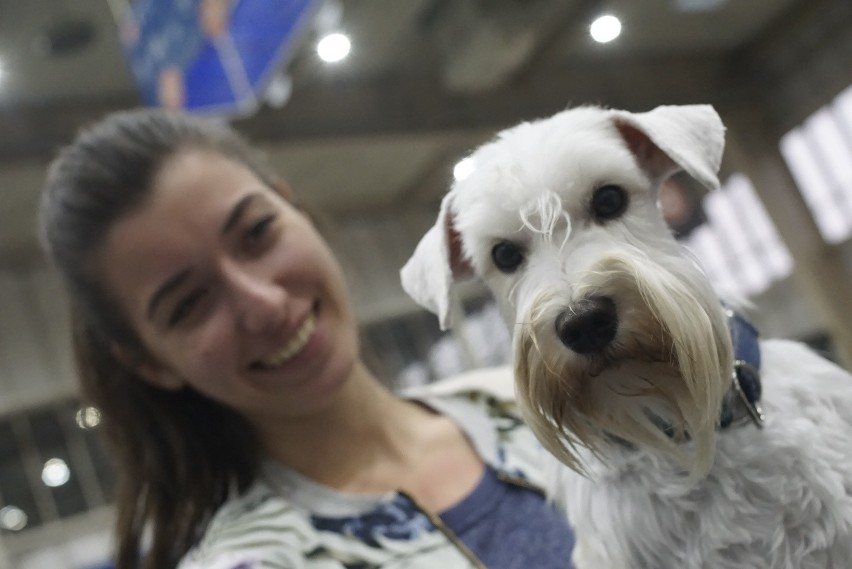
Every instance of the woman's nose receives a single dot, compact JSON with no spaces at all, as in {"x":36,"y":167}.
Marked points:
{"x":261,"y":304}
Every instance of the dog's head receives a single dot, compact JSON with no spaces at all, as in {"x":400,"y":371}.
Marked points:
{"x":616,"y":333}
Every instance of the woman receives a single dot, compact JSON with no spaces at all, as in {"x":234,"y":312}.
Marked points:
{"x":214,"y":332}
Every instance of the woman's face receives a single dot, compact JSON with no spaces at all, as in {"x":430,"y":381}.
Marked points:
{"x":231,"y":291}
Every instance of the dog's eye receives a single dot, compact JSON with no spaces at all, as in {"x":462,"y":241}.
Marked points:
{"x":609,"y":202}
{"x":507,"y":256}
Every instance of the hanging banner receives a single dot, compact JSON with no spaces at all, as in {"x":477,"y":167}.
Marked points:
{"x":211,"y":56}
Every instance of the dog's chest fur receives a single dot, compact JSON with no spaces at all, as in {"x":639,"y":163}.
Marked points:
{"x":780,"y":497}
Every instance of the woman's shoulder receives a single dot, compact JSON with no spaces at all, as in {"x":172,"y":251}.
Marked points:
{"x":486,"y":391}
{"x":263,"y":529}
{"x":253,"y":530}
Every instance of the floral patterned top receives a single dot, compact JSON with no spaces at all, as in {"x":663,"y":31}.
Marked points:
{"x":286,"y":521}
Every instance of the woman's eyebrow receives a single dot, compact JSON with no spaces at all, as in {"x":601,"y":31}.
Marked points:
{"x":165,"y":289}
{"x":176,"y":280}
{"x":237,"y":211}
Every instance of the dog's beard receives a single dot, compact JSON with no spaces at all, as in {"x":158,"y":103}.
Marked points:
{"x":659,"y":383}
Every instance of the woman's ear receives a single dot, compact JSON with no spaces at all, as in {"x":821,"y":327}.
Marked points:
{"x":148,"y":370}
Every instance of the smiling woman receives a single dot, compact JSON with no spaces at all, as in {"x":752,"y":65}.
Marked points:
{"x":216,"y":336}
{"x":236,"y":296}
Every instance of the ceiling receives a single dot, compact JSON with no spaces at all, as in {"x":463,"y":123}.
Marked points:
{"x":426,"y":81}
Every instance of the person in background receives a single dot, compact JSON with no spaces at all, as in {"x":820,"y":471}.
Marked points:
{"x":214,"y":331}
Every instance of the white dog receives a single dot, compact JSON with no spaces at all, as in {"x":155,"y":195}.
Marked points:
{"x":690,"y":444}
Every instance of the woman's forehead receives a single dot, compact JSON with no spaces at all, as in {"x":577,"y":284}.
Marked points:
{"x":192,"y":202}
{"x":208,"y":171}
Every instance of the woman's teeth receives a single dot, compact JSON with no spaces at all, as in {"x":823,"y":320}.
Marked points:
{"x":294,"y":346}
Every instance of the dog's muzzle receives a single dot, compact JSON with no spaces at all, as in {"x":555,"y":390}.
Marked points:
{"x":589,"y":325}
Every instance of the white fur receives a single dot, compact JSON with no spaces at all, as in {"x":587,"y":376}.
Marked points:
{"x":778,"y":497}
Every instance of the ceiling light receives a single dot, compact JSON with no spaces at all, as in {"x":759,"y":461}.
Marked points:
{"x":334,"y":47}
{"x":13,"y":518}
{"x":605,"y":29}
{"x":463,"y":169}
{"x":55,"y":473}
{"x":88,"y":417}
{"x":278,"y":91}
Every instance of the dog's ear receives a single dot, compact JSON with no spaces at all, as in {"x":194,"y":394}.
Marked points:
{"x":672,"y":138}
{"x":436,"y":265}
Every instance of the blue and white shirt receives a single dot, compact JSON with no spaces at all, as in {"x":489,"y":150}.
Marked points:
{"x":286,"y":521}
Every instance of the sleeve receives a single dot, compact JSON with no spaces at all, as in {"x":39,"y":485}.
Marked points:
{"x":256,"y":531}
{"x":229,"y":560}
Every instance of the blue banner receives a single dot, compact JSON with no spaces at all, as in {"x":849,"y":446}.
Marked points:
{"x":211,"y":56}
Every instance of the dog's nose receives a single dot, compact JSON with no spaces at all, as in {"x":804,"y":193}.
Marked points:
{"x":589,"y":325}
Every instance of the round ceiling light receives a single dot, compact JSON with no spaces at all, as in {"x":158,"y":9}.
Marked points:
{"x":55,"y":473}
{"x":334,"y":47}
{"x":605,"y":29}
{"x":88,"y":417}
{"x":13,"y":518}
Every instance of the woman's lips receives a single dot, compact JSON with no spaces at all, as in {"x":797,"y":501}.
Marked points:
{"x":292,"y":348}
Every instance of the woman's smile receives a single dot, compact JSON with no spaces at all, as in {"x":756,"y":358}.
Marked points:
{"x":293,"y":348}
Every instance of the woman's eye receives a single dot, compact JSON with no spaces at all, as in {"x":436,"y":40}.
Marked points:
{"x":507,"y":256}
{"x":185,"y":307}
{"x":609,"y":202}
{"x":258,"y":230}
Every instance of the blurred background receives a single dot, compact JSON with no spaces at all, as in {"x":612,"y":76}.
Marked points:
{"x":368,"y":108}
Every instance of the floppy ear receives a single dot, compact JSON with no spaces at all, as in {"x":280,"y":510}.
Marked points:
{"x":437,"y":263}
{"x":672,"y":138}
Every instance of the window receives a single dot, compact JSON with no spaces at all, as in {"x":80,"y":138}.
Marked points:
{"x":738,"y":246}
{"x":819,"y":155}
{"x":51,"y":467}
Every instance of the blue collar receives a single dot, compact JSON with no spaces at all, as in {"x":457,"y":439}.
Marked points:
{"x":741,"y":403}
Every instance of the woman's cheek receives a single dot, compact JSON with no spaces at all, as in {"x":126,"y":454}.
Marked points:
{"x":214,"y":347}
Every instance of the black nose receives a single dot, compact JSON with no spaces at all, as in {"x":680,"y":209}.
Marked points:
{"x":589,"y":325}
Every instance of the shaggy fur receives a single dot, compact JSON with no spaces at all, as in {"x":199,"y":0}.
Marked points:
{"x":780,"y":497}
{"x":640,"y":496}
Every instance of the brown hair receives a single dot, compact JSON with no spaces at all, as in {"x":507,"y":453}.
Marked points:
{"x":178,"y":454}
